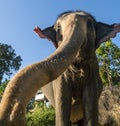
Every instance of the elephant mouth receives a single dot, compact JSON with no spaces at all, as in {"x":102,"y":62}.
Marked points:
{"x":41,"y":34}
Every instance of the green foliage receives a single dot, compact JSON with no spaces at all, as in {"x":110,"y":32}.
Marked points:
{"x":2,"y":88}
{"x":41,"y":116}
{"x":9,"y":61}
{"x":109,"y":62}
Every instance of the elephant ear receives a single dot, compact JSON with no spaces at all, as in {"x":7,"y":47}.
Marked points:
{"x":48,"y":33}
{"x":104,"y":32}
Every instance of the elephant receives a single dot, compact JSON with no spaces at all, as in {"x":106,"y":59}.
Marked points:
{"x":76,"y":36}
{"x":75,"y":93}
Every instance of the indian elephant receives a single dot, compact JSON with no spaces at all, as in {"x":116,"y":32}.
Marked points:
{"x":75,"y":93}
{"x":77,"y":35}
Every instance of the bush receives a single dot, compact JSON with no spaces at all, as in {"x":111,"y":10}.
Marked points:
{"x":42,"y":116}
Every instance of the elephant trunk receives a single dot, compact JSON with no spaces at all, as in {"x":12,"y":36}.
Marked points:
{"x":28,"y":80}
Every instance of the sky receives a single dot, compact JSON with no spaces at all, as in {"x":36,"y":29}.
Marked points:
{"x":19,"y":17}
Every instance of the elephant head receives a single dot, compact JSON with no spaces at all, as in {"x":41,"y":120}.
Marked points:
{"x":104,"y":32}
{"x":70,"y":33}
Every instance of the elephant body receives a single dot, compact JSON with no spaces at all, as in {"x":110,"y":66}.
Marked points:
{"x":66,"y":92}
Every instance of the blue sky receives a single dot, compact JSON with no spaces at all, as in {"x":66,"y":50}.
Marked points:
{"x":19,"y":17}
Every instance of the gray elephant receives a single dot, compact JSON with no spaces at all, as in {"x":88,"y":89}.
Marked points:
{"x":75,"y":93}
{"x":77,"y":35}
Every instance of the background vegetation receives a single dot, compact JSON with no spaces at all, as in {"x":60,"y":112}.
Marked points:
{"x":109,"y":62}
{"x":9,"y":63}
{"x":41,"y":116}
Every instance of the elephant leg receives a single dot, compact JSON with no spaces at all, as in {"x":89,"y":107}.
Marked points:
{"x":62,"y":102}
{"x":90,"y":104}
{"x":49,"y":93}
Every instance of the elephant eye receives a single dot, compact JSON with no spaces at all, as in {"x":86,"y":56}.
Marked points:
{"x":59,"y":33}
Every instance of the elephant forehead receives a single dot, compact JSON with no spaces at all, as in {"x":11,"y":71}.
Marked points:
{"x":66,"y":20}
{"x":65,"y":23}
{"x":70,"y":16}
{"x":82,"y":13}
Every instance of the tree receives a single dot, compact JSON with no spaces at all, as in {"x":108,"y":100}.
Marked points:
{"x":9,"y":61}
{"x":2,"y":88}
{"x":109,"y":62}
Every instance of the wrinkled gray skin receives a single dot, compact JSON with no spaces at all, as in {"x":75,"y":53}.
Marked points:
{"x":77,"y":36}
